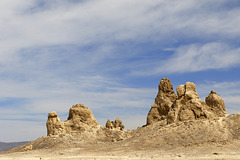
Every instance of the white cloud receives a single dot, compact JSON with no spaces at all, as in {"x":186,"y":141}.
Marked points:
{"x":196,"y":57}
{"x":105,"y":21}
{"x":57,"y":53}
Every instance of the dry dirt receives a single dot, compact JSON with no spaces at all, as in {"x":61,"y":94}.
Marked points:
{"x":114,"y":151}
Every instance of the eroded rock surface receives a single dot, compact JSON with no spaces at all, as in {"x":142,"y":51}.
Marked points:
{"x":54,"y":125}
{"x":163,"y":102}
{"x":81,"y":124}
{"x":80,"y":119}
{"x":216,"y":103}
{"x":188,"y":105}
{"x":117,"y":124}
{"x":169,"y":108}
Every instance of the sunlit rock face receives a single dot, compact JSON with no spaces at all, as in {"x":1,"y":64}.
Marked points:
{"x":163,"y":102}
{"x":54,"y":125}
{"x":216,"y":103}
{"x":169,"y":108}
{"x":80,"y":119}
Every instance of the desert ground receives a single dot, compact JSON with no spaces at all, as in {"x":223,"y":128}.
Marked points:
{"x":117,"y":150}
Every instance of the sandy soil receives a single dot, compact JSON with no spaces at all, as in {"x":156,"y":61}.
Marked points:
{"x":116,"y":150}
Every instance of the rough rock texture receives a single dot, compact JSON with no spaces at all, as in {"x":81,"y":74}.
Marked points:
{"x":82,"y":125}
{"x":80,"y":119}
{"x":216,"y":103}
{"x":163,"y":102}
{"x":117,"y":124}
{"x":109,"y":124}
{"x":54,"y":125}
{"x":189,"y":106}
{"x":168,"y":108}
{"x":217,"y":132}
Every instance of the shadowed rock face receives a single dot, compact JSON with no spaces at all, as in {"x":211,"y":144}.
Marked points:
{"x":54,"y":125}
{"x":117,"y":124}
{"x":80,"y":119}
{"x":188,"y":105}
{"x":169,"y":108}
{"x":216,"y":103}
{"x":163,"y":102}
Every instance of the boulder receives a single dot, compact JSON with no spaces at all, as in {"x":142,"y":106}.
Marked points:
{"x":163,"y":102}
{"x":216,"y":103}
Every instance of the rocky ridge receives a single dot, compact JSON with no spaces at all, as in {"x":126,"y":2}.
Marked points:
{"x":173,"y":121}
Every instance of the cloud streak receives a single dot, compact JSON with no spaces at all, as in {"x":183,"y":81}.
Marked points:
{"x":58,"y":53}
{"x":195,"y":57}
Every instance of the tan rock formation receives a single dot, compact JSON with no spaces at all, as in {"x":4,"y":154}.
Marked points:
{"x":54,"y":125}
{"x":168,"y":108}
{"x":163,"y":102}
{"x":188,"y":105}
{"x":216,"y":103}
{"x":117,"y":124}
{"x":109,"y":124}
{"x":80,"y":119}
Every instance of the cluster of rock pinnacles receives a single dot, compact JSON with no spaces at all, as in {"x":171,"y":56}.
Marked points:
{"x":80,"y":119}
{"x":167,"y":108}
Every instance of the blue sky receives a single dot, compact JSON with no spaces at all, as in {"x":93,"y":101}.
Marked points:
{"x":111,"y":56}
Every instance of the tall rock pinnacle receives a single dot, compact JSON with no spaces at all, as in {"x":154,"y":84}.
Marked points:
{"x":169,"y":108}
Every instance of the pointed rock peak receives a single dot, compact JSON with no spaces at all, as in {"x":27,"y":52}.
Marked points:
{"x":163,"y":102}
{"x":165,"y":86}
{"x":109,"y":124}
{"x":117,"y":124}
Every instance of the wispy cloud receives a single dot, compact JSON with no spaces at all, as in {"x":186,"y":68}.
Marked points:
{"x":196,"y":57}
{"x":58,"y":53}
